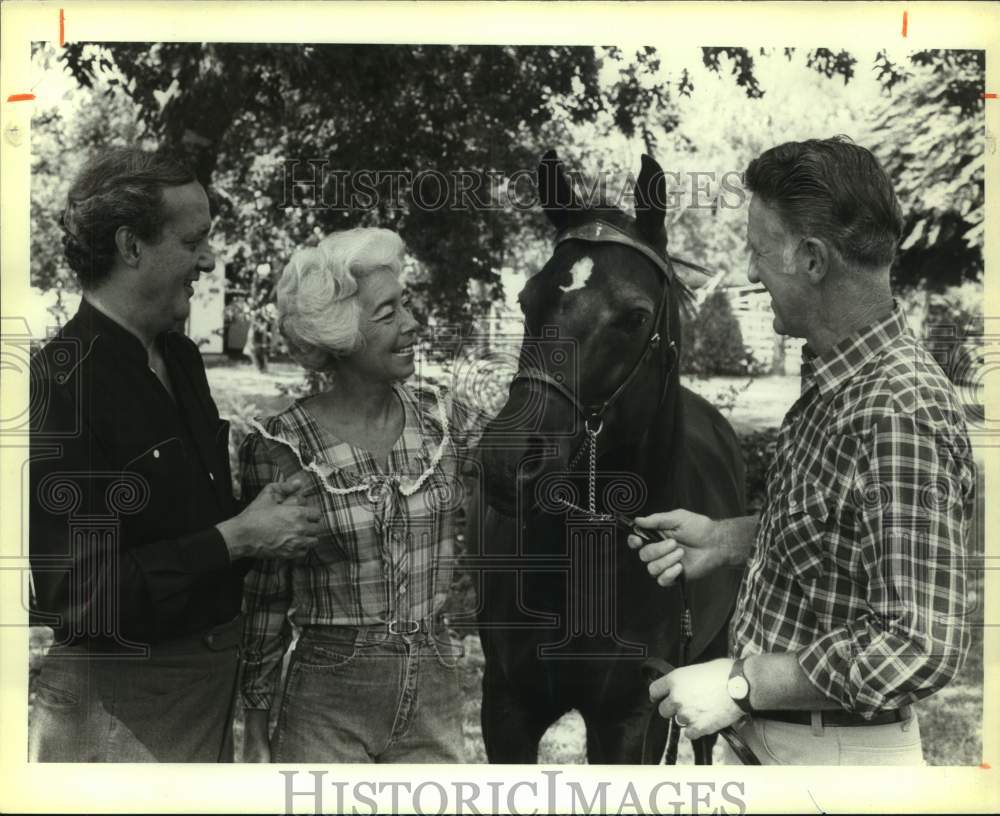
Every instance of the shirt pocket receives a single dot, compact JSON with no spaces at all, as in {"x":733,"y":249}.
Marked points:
{"x":163,"y":471}
{"x":801,"y":531}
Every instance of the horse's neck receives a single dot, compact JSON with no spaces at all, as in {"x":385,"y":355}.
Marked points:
{"x":660,"y":451}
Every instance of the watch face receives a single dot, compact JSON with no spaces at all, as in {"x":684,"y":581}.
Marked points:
{"x":738,"y":687}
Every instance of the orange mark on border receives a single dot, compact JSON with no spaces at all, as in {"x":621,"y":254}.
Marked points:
{"x":989,"y":96}
{"x":62,"y":28}
{"x":20,"y":97}
{"x":906,"y":20}
{"x":986,"y":766}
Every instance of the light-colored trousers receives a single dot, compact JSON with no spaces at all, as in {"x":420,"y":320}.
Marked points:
{"x":780,"y":743}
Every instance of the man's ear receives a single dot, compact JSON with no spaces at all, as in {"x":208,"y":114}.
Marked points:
{"x":128,"y":245}
{"x":814,"y":259}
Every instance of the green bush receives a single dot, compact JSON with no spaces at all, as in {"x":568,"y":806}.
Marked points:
{"x":712,"y":343}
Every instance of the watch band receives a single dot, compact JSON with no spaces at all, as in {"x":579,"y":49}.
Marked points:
{"x":742,"y":694}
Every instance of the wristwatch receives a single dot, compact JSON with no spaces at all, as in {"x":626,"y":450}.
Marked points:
{"x":739,"y":687}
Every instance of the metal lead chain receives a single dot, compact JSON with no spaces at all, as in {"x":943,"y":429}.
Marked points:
{"x":592,"y":474}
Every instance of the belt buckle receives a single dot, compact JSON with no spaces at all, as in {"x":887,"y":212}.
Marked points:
{"x":412,"y":627}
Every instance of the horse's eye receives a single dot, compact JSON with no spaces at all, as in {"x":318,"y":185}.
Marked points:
{"x":633,"y":321}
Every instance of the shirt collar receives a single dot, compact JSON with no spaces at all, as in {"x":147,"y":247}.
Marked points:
{"x":831,"y":370}
{"x":95,"y":323}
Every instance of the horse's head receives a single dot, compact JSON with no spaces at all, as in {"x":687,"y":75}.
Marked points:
{"x":601,"y":341}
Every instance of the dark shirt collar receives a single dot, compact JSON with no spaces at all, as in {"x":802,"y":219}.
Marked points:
{"x":830,"y":371}
{"x":95,"y":323}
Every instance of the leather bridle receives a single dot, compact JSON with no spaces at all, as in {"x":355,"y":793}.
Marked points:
{"x":593,"y":423}
{"x":602,"y":232}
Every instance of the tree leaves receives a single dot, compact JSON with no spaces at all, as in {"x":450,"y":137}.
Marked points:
{"x":741,"y":67}
{"x":929,"y":137}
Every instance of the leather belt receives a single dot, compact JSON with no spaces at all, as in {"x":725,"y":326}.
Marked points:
{"x":834,"y":718}
{"x":374,"y":632}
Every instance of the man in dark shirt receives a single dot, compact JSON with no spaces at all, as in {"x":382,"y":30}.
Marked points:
{"x":137,"y":550}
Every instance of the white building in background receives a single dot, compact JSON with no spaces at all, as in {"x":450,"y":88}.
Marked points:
{"x":752,"y":309}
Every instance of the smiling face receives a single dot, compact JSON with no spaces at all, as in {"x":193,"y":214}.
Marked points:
{"x":388,"y":328}
{"x":774,"y":264}
{"x":168,"y":267}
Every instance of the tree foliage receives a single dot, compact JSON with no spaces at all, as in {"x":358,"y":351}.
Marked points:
{"x":242,"y":111}
{"x":929,"y":135}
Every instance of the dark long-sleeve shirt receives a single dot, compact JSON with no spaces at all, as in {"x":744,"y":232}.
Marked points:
{"x":126,"y":485}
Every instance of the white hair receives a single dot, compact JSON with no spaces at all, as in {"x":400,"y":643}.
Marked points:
{"x":318,"y":309}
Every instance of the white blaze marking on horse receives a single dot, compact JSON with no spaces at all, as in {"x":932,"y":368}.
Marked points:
{"x":581,"y":274}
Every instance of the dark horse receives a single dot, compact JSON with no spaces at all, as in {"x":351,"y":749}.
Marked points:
{"x":568,"y":612}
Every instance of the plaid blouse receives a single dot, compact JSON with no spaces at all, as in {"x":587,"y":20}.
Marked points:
{"x":384,"y":557}
{"x":859,"y":560}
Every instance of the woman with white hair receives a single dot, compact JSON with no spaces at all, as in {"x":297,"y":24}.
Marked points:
{"x":373,"y":676}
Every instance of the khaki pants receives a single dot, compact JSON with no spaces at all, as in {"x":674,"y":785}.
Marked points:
{"x":781,"y":743}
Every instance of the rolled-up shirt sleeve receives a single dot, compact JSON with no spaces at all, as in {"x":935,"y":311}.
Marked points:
{"x":913,"y":500}
{"x":267,"y":592}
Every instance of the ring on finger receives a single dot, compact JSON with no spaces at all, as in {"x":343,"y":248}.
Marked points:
{"x":681,"y":723}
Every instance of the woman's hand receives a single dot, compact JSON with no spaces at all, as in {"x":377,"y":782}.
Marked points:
{"x":256,"y":745}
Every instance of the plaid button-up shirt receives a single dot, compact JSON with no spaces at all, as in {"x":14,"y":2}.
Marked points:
{"x":859,"y":559}
{"x":384,"y":556}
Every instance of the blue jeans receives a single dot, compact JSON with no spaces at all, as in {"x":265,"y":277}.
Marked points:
{"x":175,"y":705}
{"x":365,"y":695}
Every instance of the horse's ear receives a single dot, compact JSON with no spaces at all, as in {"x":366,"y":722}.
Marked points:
{"x":554,"y":190}
{"x":651,"y":201}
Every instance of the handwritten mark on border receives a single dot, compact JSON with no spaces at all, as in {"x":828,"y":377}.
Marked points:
{"x":906,"y":21}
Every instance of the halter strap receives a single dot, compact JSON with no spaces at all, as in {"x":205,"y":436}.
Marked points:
{"x":602,"y":232}
{"x":597,"y":412}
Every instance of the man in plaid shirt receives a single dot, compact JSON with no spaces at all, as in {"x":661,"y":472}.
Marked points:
{"x":853,"y":603}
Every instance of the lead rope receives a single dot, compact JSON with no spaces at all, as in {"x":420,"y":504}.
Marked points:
{"x":687,"y":629}
{"x":656,"y":668}
{"x":684,"y":652}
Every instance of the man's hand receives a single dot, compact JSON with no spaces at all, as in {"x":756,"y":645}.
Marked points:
{"x":275,"y":524}
{"x":692,"y":545}
{"x":697,"y":695}
{"x":256,"y":746}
